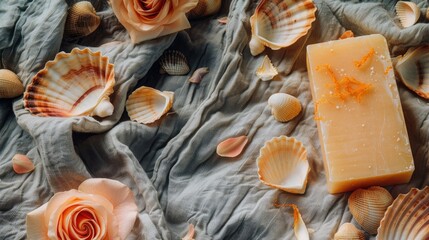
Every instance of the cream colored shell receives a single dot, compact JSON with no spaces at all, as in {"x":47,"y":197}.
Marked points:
{"x":10,"y":85}
{"x":204,"y":8}
{"x":348,"y":231}
{"x":283,"y":164}
{"x":368,"y":207}
{"x":146,"y":105}
{"x":284,"y":107}
{"x":266,"y":71}
{"x":73,"y":84}
{"x":408,"y":13}
{"x":174,"y":63}
{"x":278,"y":24}
{"x":82,"y":20}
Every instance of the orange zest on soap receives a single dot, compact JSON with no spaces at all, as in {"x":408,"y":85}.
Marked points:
{"x":365,"y":58}
{"x":387,"y":70}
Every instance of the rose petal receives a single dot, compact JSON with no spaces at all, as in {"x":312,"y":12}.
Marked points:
{"x":231,"y":147}
{"x":22,"y":164}
{"x":35,"y":221}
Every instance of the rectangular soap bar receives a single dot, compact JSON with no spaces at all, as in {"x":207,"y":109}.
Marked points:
{"x":359,"y":117}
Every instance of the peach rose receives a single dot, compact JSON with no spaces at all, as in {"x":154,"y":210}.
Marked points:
{"x":149,"y":19}
{"x":99,"y":209}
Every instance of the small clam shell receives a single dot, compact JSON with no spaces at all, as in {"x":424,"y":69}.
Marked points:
{"x":407,"y":12}
{"x":81,"y":20}
{"x":198,"y":75}
{"x":348,"y":231}
{"x":283,"y":164}
{"x":22,"y":164}
{"x":174,"y":63}
{"x":407,"y":217}
{"x":231,"y":147}
{"x":284,"y":107}
{"x":204,"y":8}
{"x":10,"y":85}
{"x":368,"y":207}
{"x":413,"y":70}
{"x":266,"y":71}
{"x":146,"y":105}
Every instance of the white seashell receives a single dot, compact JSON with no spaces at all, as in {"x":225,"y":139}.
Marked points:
{"x":198,"y":75}
{"x":368,"y":207}
{"x":231,"y":147}
{"x":408,"y":13}
{"x":174,"y":63}
{"x":279,"y":24}
{"x":283,"y":164}
{"x":22,"y":164}
{"x":204,"y":8}
{"x":266,"y":71}
{"x":73,"y":84}
{"x":284,"y":107}
{"x":10,"y":85}
{"x":413,"y":70}
{"x":146,"y":105}
{"x":82,"y":20}
{"x":407,"y":217}
{"x":348,"y":231}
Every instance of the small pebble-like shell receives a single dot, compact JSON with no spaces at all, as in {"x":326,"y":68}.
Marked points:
{"x":266,"y":71}
{"x":174,"y":63}
{"x":22,"y":164}
{"x":82,"y":20}
{"x":284,"y":107}
{"x":231,"y":147}
{"x":198,"y":75}
{"x":408,"y":13}
{"x":283,"y":164}
{"x":368,"y":207}
{"x":10,"y":85}
{"x":204,"y":8}
{"x":348,"y":231}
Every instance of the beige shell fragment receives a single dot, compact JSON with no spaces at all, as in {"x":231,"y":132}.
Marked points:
{"x":348,"y":231}
{"x":368,"y":207}
{"x":407,"y":12}
{"x":231,"y":147}
{"x":284,"y":107}
{"x":204,"y":8}
{"x":266,"y":71}
{"x":10,"y":85}
{"x":198,"y":75}
{"x":283,"y":164}
{"x":22,"y":164}
{"x":82,"y":20}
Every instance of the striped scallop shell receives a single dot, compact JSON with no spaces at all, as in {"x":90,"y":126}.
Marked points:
{"x":407,"y":217}
{"x":408,"y":13}
{"x":81,"y":20}
{"x":284,"y":107}
{"x":368,"y":207}
{"x":204,"y":8}
{"x":174,"y":63}
{"x":283,"y":164}
{"x":10,"y":85}
{"x":146,"y":105}
{"x":348,"y":231}
{"x":73,"y":84}
{"x":277,"y":24}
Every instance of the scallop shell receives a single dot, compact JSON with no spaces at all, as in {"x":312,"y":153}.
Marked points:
{"x":174,"y":63}
{"x":266,"y":71}
{"x":10,"y":85}
{"x":231,"y":147}
{"x":146,"y":105}
{"x":408,"y":13}
{"x":73,"y":84}
{"x":283,"y":164}
{"x":413,"y":70}
{"x":22,"y":164}
{"x":198,"y":75}
{"x":407,"y":217}
{"x":284,"y":107}
{"x":82,"y":20}
{"x":348,"y":231}
{"x":204,"y":8}
{"x":368,"y":207}
{"x":278,"y":24}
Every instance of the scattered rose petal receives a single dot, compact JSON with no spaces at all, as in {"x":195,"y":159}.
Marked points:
{"x":301,"y":232}
{"x":347,"y":34}
{"x":231,"y":147}
{"x":190,"y":234}
{"x":198,"y":75}
{"x":22,"y":164}
{"x":223,"y":20}
{"x":266,"y":71}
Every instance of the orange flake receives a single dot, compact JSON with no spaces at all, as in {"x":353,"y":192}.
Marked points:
{"x":365,"y":58}
{"x":386,"y":71}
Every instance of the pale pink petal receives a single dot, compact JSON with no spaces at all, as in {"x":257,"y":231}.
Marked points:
{"x":300,"y":230}
{"x":35,"y":221}
{"x":22,"y":164}
{"x":231,"y":147}
{"x":190,"y":234}
{"x":223,"y":20}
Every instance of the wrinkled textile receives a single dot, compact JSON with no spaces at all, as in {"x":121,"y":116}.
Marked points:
{"x":172,"y":166}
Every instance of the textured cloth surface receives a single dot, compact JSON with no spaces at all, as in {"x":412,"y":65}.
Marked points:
{"x":172,"y":166}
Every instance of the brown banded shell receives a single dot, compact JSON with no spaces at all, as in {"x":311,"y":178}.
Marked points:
{"x":278,"y":24}
{"x":174,"y":63}
{"x":82,"y":20}
{"x":204,"y":8}
{"x":22,"y":164}
{"x":407,"y":12}
{"x":73,"y":84}
{"x":348,"y":231}
{"x":10,"y":85}
{"x":368,"y":207}
{"x":284,"y":107}
{"x":407,"y":217}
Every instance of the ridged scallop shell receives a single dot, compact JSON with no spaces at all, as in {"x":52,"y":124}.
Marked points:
{"x":408,"y":13}
{"x":283,"y":164}
{"x":413,"y":70}
{"x":146,"y":105}
{"x":22,"y":164}
{"x":278,"y":24}
{"x":10,"y":85}
{"x":82,"y":20}
{"x":231,"y":147}
{"x":348,"y":231}
{"x":73,"y":84}
{"x":174,"y":63}
{"x":407,"y":217}
{"x":204,"y":8}
{"x":368,"y":207}
{"x":266,"y":71}
{"x":284,"y":107}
